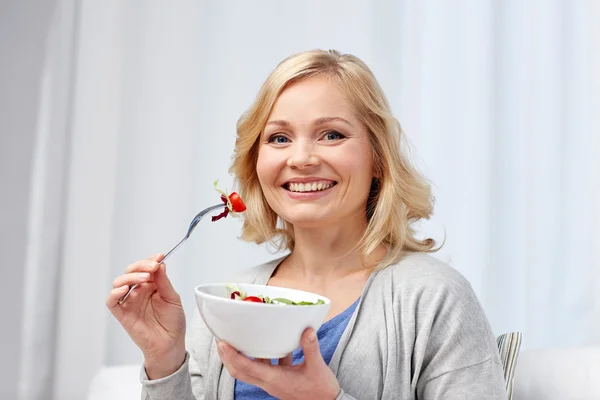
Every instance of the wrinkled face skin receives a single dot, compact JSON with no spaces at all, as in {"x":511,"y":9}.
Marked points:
{"x":315,"y":162}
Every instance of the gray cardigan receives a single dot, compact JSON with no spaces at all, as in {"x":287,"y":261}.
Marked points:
{"x":418,"y":332}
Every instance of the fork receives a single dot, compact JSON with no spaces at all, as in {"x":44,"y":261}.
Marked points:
{"x":193,"y":224}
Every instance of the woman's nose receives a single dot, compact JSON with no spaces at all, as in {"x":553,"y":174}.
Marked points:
{"x":302,"y":156}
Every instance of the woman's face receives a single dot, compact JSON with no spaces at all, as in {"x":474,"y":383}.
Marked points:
{"x":315,"y":163}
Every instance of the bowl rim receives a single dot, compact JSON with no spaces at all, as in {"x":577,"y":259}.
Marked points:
{"x":327,"y":301}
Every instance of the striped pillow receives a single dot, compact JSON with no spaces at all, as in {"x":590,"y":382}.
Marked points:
{"x":509,"y":345}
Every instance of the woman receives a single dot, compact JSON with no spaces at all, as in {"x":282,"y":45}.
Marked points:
{"x":319,"y":165}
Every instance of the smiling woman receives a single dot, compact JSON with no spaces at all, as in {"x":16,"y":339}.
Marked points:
{"x":324,"y":111}
{"x":320,"y":166}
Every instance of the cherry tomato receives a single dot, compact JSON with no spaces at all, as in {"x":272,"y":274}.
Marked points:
{"x":236,"y":202}
{"x":253,"y":299}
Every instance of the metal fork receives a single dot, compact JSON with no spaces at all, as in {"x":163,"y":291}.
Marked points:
{"x":193,"y":224}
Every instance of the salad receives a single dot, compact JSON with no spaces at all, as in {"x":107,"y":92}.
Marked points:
{"x":237,"y":294}
{"x":233,"y":204}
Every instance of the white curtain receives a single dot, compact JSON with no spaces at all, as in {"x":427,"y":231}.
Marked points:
{"x":499,"y":99}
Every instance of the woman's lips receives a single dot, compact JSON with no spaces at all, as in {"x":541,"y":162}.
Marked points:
{"x":297,"y":192}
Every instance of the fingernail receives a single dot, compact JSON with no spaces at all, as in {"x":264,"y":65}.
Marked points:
{"x":221,"y":347}
{"x":312,"y":336}
{"x":142,"y":276}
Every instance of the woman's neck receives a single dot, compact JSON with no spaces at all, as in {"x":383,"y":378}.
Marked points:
{"x":324,"y":254}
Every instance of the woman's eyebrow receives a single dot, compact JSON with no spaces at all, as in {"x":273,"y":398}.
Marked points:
{"x":318,"y":121}
{"x":279,"y":122}
{"x":324,"y":120}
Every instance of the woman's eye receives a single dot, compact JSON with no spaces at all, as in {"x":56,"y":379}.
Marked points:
{"x":278,"y":139}
{"x":334,"y":135}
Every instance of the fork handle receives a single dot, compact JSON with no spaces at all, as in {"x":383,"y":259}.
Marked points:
{"x":124,"y":298}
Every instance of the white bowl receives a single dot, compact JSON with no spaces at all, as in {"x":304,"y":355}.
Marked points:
{"x":256,"y":329}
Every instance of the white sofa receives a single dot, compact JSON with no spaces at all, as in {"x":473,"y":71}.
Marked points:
{"x":545,"y":374}
{"x":558,"y":374}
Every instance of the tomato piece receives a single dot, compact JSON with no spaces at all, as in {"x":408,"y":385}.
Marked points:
{"x":234,"y":294}
{"x":237,"y":203}
{"x":254,"y":299}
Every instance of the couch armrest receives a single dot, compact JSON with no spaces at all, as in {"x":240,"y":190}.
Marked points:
{"x":116,"y":383}
{"x":558,"y":374}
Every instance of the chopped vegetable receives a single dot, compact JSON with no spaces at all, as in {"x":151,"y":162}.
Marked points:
{"x":233,"y":204}
{"x":254,"y":299}
{"x":237,"y":294}
{"x":236,"y":202}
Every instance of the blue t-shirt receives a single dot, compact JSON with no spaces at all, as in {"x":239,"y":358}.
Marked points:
{"x":329,"y":335}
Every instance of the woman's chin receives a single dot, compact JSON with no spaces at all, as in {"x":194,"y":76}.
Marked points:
{"x":308,"y":220}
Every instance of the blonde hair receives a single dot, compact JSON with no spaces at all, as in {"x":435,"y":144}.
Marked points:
{"x":399,"y":195}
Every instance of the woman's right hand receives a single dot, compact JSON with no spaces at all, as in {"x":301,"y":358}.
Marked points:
{"x":152,"y":315}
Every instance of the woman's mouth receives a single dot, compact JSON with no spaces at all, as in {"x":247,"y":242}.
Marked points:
{"x":308,"y":190}
{"x":307,"y":187}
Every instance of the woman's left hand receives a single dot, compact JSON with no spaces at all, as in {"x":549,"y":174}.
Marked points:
{"x":312,"y":379}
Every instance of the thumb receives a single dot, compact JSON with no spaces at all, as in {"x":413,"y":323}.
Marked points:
{"x":310,"y":347}
{"x":163,"y":285}
{"x":157,"y":257}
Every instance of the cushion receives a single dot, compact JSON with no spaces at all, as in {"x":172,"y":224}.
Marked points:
{"x":509,"y":345}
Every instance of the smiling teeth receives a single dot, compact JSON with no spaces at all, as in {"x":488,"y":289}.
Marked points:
{"x":309,"y":187}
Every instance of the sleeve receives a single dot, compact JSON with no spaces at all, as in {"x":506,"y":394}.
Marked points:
{"x":188,"y":382}
{"x":458,"y":355}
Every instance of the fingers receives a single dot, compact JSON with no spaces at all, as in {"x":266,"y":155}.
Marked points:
{"x":310,"y":347}
{"x":131,"y":279}
{"x":240,"y":367}
{"x":157,"y":257}
{"x":164,"y":287}
{"x":115,"y":295}
{"x":140,"y":272}
{"x":142,"y":266}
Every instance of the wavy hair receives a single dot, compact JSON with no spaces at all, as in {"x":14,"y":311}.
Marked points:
{"x":399,"y":195}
